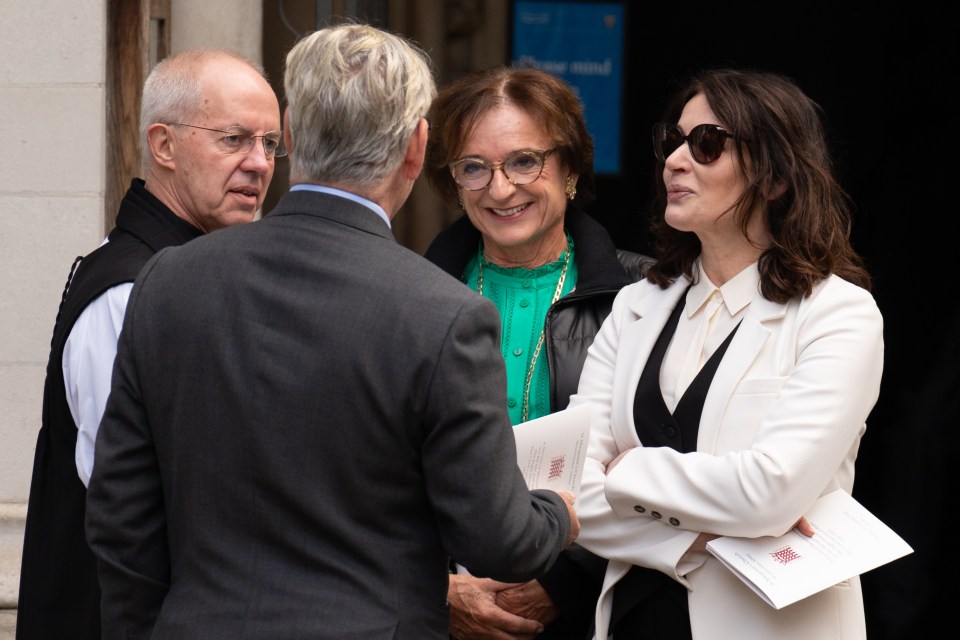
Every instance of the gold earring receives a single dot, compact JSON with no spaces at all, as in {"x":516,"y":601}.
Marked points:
{"x":571,"y":188}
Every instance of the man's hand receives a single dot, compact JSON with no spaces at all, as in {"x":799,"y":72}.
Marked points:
{"x":529,"y":600}
{"x":475,"y":614}
{"x":569,"y":498}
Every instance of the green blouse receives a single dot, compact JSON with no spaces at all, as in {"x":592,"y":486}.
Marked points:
{"x":522,"y":297}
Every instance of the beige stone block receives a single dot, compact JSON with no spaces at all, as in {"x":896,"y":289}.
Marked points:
{"x":52,"y":41}
{"x":54,"y":139}
{"x":39,"y":239}
{"x":21,"y":396}
{"x":8,"y":624}
{"x":12,"y":519}
{"x":233,"y":24}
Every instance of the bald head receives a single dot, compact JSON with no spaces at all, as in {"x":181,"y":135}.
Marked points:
{"x":174,"y":90}
{"x":210,"y":127}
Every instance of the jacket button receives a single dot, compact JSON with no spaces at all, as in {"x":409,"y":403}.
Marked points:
{"x":639,"y":509}
{"x":674,"y":522}
{"x":655,"y":515}
{"x":671,"y":432}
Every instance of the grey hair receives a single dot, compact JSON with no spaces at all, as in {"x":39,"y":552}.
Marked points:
{"x":355,"y":94}
{"x":174,"y":89}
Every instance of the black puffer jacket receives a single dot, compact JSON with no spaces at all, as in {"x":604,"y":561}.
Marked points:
{"x":572,"y":323}
{"x":574,"y":320}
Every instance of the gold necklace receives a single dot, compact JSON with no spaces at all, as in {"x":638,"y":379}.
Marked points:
{"x":525,"y":407}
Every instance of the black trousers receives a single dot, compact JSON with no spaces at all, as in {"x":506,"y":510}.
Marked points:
{"x":648,"y":604}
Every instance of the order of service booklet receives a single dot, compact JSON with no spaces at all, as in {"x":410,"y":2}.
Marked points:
{"x":551,"y":450}
{"x":848,"y":540}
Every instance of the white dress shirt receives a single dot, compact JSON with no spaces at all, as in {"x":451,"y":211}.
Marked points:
{"x":709,"y":315}
{"x":88,"y":367}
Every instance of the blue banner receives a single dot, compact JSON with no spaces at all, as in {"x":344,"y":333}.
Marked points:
{"x":582,"y":42}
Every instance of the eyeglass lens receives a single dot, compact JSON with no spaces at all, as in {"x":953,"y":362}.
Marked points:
{"x":705,"y":141}
{"x":520,"y":168}
{"x":237,"y":139}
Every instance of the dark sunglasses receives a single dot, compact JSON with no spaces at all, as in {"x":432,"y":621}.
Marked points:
{"x":705,"y":141}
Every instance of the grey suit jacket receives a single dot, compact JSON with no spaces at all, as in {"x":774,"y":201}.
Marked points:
{"x":306,"y":422}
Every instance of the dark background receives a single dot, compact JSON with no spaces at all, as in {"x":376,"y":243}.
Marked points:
{"x":885,"y":80}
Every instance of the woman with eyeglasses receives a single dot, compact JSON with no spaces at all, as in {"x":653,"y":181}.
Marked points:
{"x":510,"y":147}
{"x":730,"y":387}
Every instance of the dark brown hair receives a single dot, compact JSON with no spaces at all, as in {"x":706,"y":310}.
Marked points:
{"x":545,"y":97}
{"x":781,"y":142}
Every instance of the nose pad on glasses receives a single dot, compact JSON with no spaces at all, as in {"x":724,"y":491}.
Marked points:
{"x":256,"y":155}
{"x":500,"y":175}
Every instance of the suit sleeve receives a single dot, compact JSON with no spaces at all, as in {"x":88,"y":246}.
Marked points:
{"x":489,"y":521}
{"x":125,"y":518}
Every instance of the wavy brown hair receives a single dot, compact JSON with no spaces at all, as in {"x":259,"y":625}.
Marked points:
{"x":781,"y":142}
{"x":547,"y":98}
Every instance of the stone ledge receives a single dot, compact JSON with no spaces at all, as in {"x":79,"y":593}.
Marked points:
{"x":8,"y":624}
{"x":13,"y":516}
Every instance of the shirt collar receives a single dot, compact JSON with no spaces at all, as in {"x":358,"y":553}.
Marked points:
{"x":736,"y":293}
{"x":370,"y":204}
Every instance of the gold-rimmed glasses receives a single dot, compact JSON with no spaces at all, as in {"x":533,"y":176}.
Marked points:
{"x":520,"y":168}
{"x":238,"y":139}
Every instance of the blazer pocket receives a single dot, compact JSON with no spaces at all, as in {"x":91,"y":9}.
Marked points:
{"x":749,"y":404}
{"x":751,"y":386}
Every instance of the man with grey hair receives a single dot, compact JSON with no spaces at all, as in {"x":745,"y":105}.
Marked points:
{"x":210,"y":131}
{"x":330,"y":427}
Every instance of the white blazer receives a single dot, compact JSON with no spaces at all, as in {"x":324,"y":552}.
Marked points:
{"x":781,"y":426}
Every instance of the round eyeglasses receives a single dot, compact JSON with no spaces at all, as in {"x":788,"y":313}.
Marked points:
{"x":706,"y":141}
{"x":239,"y":140}
{"x":520,"y":168}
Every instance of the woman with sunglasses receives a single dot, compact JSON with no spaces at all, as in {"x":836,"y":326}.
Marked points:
{"x":511,"y":148}
{"x":730,"y":388}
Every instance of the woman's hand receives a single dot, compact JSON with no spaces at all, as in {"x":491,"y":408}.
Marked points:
{"x":616,"y":460}
{"x":803,"y":526}
{"x":700,"y":544}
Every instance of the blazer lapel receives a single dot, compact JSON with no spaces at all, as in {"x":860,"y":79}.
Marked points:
{"x":743,"y":350}
{"x":651,"y":313}
{"x":637,"y":338}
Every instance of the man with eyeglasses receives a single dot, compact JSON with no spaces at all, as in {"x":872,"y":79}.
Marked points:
{"x":330,"y":428}
{"x":210,"y":134}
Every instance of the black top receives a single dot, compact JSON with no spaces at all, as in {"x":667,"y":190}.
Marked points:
{"x":59,"y":594}
{"x":572,"y":323}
